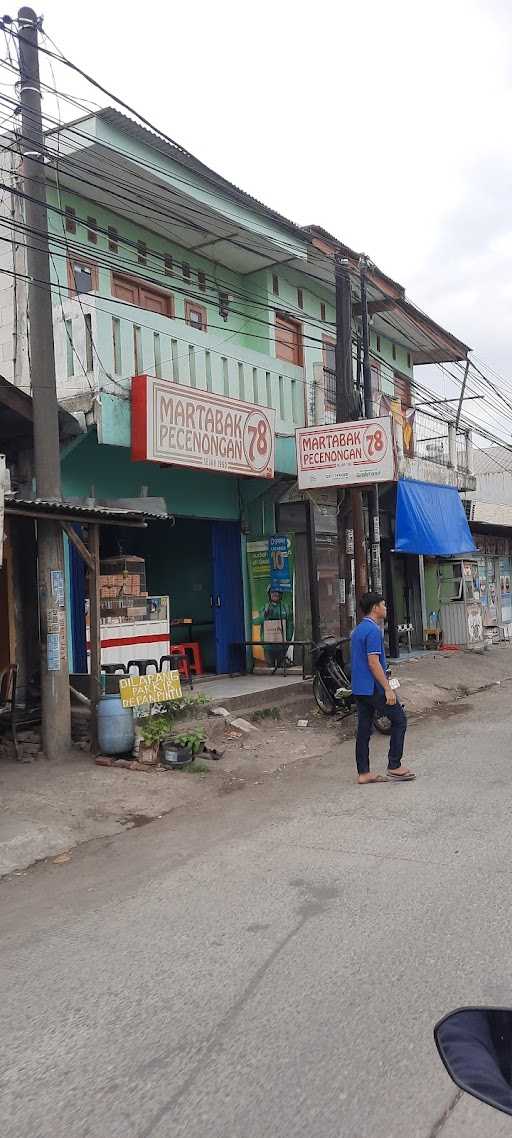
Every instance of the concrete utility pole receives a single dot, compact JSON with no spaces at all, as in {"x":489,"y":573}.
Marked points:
{"x":350,"y":514}
{"x":373,"y":492}
{"x":56,"y":716}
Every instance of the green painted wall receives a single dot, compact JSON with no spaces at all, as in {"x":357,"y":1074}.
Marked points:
{"x":431,"y":586}
{"x":189,"y":493}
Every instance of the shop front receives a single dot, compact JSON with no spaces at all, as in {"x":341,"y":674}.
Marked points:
{"x":211,"y":461}
{"x":495,"y":574}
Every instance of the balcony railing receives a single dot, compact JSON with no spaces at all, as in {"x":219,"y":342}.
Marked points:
{"x":433,"y":439}
{"x":172,"y":351}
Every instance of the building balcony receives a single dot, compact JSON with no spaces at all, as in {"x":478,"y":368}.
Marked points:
{"x":429,"y":449}
{"x":99,"y":347}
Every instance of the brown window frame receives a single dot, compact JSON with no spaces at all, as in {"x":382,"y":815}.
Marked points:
{"x":190,"y":306}
{"x":140,"y":285}
{"x":300,"y":341}
{"x":70,"y":222}
{"x":92,"y":230}
{"x":73,"y":291}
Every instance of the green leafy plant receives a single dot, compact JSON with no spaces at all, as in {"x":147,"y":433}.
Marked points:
{"x":154,"y":728}
{"x":192,"y":740}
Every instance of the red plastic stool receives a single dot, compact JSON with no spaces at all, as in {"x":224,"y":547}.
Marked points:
{"x":178,"y":650}
{"x":196,"y":662}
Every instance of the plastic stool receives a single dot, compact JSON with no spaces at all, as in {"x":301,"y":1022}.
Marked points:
{"x":142,"y":666}
{"x":179,"y":659}
{"x":196,"y":663}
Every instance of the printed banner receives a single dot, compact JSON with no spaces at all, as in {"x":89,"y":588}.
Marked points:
{"x":281,"y":574}
{"x":271,"y":572}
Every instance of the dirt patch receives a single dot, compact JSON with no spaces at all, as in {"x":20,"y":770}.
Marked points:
{"x":446,"y":710}
{"x":135,"y":820}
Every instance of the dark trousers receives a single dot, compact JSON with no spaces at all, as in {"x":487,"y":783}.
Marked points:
{"x":367,"y":705}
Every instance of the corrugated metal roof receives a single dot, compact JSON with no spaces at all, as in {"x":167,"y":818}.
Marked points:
{"x":171,"y":149}
{"x":492,"y":460}
{"x":34,"y":506}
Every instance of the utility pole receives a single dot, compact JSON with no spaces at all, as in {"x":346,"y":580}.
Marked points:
{"x":312,"y":569}
{"x":349,"y":509}
{"x":462,"y":394}
{"x":56,"y":716}
{"x":373,"y":492}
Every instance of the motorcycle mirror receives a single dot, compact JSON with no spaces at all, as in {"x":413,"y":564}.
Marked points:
{"x":475,"y":1045}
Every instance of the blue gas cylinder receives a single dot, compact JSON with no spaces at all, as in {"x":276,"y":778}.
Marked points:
{"x":116,"y":732}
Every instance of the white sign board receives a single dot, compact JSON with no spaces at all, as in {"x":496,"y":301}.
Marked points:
{"x":184,"y":426}
{"x":346,"y":454}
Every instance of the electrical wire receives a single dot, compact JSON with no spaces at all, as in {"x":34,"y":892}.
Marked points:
{"x":170,"y":141}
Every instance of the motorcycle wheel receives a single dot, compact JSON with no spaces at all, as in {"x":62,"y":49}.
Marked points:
{"x":382,"y":724}
{"x":323,"y":699}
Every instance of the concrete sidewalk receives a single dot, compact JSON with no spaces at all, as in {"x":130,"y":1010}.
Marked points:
{"x":46,"y":809}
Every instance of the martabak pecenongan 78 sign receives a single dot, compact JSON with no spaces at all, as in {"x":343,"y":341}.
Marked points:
{"x":185,"y":426}
{"x":346,"y":454}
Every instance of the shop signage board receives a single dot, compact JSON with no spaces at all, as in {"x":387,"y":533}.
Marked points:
{"x":184,"y":426}
{"x":160,"y":687}
{"x":346,"y":454}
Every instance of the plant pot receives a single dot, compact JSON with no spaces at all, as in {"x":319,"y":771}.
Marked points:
{"x":148,"y":754}
{"x":173,"y":756}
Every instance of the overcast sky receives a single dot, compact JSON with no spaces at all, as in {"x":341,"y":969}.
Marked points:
{"x":388,"y":124}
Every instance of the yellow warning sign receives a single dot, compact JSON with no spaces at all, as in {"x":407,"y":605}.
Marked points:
{"x":156,"y":688}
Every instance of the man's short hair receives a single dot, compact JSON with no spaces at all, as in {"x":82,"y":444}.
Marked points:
{"x":368,"y":601}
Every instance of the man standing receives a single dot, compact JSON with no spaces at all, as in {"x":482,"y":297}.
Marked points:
{"x":373,"y":692}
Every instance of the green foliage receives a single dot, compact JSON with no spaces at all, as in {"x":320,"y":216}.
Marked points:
{"x":192,"y":740}
{"x":158,"y":726}
{"x":154,"y":728}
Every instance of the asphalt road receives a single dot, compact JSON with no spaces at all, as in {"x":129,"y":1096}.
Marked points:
{"x":272,"y":966}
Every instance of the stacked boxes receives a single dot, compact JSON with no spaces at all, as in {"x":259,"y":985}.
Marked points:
{"x":123,"y":590}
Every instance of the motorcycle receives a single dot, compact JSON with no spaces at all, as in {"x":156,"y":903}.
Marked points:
{"x":331,"y":682}
{"x":475,"y":1045}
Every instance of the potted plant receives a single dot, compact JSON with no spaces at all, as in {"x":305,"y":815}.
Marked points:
{"x":152,"y":729}
{"x":182,"y":748}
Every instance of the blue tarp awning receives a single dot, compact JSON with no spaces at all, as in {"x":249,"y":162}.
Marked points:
{"x":430,"y":519}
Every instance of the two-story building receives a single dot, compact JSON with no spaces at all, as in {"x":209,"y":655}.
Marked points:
{"x":161,"y":268}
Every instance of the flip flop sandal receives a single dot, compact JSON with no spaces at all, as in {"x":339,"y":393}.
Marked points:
{"x":401,"y":777}
{"x":373,"y":781}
